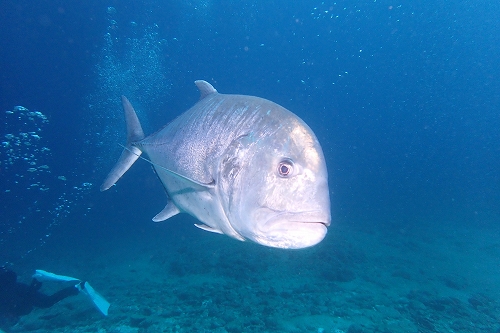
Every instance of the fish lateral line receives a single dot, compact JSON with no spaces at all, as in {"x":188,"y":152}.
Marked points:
{"x":210,"y":185}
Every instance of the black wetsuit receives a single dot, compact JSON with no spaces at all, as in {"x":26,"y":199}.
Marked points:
{"x":18,"y":299}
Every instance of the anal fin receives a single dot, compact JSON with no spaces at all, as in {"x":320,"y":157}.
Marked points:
{"x":167,"y":212}
{"x":207,"y":228}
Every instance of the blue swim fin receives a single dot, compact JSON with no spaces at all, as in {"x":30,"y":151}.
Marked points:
{"x":99,"y":301}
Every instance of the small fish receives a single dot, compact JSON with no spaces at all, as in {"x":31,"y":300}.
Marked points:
{"x":242,"y":165}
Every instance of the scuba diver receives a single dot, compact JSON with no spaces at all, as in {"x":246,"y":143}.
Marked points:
{"x":18,"y":299}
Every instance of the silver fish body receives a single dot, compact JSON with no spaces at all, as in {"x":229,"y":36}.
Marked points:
{"x":242,"y":165}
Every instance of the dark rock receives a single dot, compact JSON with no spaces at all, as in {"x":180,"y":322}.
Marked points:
{"x":147,"y":312}
{"x":355,"y":328}
{"x":339,"y":275}
{"x":435,"y":305}
{"x":270,"y":323}
{"x":479,"y":300}
{"x":402,"y":274}
{"x":176,"y":268}
{"x":139,"y":322}
{"x":424,"y":323}
{"x":455,"y":282}
{"x":234,"y":327}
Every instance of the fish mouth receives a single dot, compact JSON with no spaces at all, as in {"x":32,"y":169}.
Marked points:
{"x":286,"y":225}
{"x":308,"y":217}
{"x":290,"y":230}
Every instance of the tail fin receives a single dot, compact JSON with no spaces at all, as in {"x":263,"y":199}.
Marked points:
{"x":130,"y":153}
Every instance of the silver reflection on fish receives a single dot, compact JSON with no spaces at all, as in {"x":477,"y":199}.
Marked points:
{"x":242,"y":165}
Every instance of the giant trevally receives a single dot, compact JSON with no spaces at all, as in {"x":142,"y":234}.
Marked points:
{"x":242,"y":165}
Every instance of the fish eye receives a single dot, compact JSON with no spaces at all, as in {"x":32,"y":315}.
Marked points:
{"x":285,"y":168}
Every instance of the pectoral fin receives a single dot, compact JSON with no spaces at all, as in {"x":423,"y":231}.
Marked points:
{"x":167,"y":212}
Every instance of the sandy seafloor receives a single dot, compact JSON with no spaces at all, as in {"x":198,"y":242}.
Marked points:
{"x":424,"y":278}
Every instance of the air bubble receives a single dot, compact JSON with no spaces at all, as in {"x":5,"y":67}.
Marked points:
{"x":30,"y":213}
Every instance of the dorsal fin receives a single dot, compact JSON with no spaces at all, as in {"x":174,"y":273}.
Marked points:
{"x":205,"y":88}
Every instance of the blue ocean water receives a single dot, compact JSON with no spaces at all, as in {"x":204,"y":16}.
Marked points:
{"x":403,"y":96}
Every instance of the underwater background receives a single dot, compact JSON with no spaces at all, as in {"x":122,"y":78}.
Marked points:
{"x":404,"y":98}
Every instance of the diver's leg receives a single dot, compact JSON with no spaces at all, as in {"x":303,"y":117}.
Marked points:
{"x":46,"y":301}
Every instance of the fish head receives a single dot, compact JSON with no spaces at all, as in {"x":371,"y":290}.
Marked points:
{"x":276,"y":187}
